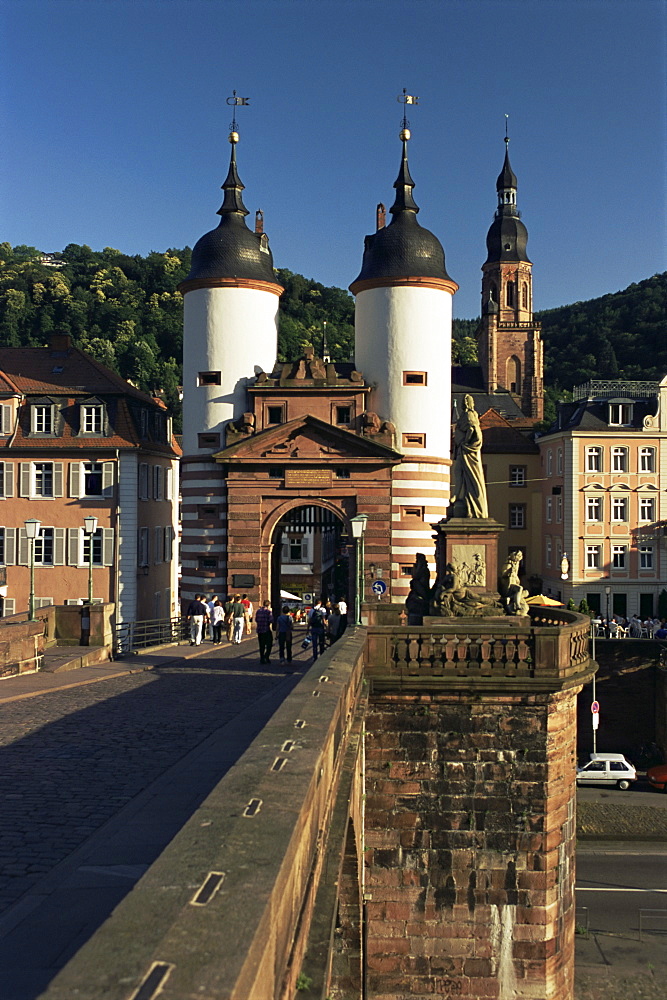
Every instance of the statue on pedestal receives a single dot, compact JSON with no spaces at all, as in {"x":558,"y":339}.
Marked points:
{"x":468,"y":486}
{"x":417,"y":601}
{"x":513,"y":594}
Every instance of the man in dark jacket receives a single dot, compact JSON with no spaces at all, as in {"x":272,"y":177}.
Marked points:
{"x":197,"y":614}
{"x":263,"y":623}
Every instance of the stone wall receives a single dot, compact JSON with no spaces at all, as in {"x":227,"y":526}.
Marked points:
{"x":22,"y":646}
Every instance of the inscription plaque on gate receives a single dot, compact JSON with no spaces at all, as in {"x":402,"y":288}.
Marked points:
{"x":310,"y":479}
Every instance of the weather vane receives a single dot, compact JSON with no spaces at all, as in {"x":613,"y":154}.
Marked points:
{"x":406,"y":98}
{"x":236,"y":102}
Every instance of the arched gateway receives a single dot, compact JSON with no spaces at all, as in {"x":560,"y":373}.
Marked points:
{"x":312,"y":553}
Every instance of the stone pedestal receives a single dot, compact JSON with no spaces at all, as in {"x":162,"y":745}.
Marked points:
{"x":471,"y":545}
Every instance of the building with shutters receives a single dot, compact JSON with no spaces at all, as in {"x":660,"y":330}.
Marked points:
{"x":76,"y":440}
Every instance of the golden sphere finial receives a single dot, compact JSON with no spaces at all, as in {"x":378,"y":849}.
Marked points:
{"x":404,"y":134}
{"x":233,"y":137}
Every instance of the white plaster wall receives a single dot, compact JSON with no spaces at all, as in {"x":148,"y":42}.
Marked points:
{"x":408,"y":329}
{"x":231,"y":330}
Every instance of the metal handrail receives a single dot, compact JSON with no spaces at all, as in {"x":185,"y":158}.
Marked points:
{"x":130,"y":636}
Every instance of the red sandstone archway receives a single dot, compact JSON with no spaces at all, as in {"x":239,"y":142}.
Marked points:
{"x":317,"y":529}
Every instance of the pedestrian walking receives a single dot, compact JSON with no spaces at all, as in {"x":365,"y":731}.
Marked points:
{"x":317,"y":623}
{"x":263,"y":623}
{"x":342,"y":610}
{"x":247,"y":615}
{"x":238,"y":612}
{"x":333,"y":629}
{"x":217,"y":622}
{"x":284,"y":626}
{"x":211,"y":605}
{"x":229,"y":618}
{"x":197,"y":614}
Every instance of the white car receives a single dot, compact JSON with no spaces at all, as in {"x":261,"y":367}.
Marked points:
{"x":607,"y":769}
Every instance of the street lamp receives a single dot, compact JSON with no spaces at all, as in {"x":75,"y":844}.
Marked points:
{"x":595,"y":622}
{"x":607,"y":591}
{"x":32,"y":529}
{"x":90,"y":527}
{"x":358,"y":525}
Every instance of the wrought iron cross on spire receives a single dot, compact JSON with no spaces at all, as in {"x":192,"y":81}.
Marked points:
{"x":236,"y":102}
{"x":406,"y":99}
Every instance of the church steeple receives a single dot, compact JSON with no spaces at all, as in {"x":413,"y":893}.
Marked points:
{"x":510,"y":348}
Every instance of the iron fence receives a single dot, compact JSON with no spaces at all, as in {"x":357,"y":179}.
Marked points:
{"x":130,"y":636}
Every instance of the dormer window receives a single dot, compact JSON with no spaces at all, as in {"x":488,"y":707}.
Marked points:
{"x":41,"y":418}
{"x":620,"y":413}
{"x":92,"y":418}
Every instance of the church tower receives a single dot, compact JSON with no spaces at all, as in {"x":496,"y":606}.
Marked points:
{"x":403,"y":328}
{"x":230,"y":333}
{"x":510,"y":341}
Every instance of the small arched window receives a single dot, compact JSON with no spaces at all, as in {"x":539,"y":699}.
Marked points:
{"x":524,"y":295}
{"x":511,"y":293}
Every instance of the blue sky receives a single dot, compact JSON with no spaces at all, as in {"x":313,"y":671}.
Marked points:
{"x":115,"y":128}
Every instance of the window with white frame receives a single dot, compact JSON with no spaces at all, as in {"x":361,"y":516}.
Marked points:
{"x":98,"y":537}
{"x":620,"y":414}
{"x":646,"y":556}
{"x":619,"y":508}
{"x":619,"y":459}
{"x":518,"y":475}
{"x":593,"y":508}
{"x":646,"y":508}
{"x":559,"y":461}
{"x":647,"y":459}
{"x":517,"y":514}
{"x":549,"y":509}
{"x":44,"y":548}
{"x":92,"y":418}
{"x":550,"y":462}
{"x":593,"y":556}
{"x":41,"y":418}
{"x":548,"y":551}
{"x":594,"y":459}
{"x":619,"y":556}
{"x":91,"y":479}
{"x":42,"y":479}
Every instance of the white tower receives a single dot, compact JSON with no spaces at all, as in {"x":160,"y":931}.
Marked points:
{"x":230,"y":333}
{"x":403,"y":332}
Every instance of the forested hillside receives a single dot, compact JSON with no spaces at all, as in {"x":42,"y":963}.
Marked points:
{"x":127,"y":312}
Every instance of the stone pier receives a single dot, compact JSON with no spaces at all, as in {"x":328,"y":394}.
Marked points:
{"x":470,"y":807}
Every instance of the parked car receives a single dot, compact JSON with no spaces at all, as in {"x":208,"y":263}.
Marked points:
{"x":607,"y":769}
{"x":657,"y":776}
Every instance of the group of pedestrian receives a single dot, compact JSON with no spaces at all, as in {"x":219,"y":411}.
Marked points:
{"x":620,"y":627}
{"x":235,"y":615}
{"x":326,"y":622}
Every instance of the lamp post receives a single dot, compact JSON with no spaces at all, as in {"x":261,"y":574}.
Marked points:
{"x":90,"y":527}
{"x":594,"y":627}
{"x":32,"y":529}
{"x":358,"y":524}
{"x":607,"y":591}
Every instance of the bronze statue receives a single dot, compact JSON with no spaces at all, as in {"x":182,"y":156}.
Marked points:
{"x":468,"y":486}
{"x":417,"y":601}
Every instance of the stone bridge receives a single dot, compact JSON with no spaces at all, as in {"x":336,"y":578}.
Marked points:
{"x":403,"y":827}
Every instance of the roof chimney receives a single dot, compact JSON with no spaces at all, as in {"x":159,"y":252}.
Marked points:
{"x":61,"y":342}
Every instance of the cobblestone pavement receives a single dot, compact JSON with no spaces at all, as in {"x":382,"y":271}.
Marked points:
{"x":69,"y":760}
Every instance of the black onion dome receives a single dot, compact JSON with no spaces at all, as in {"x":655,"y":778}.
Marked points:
{"x":403,"y":249}
{"x":506,"y":240}
{"x":232,"y":250}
